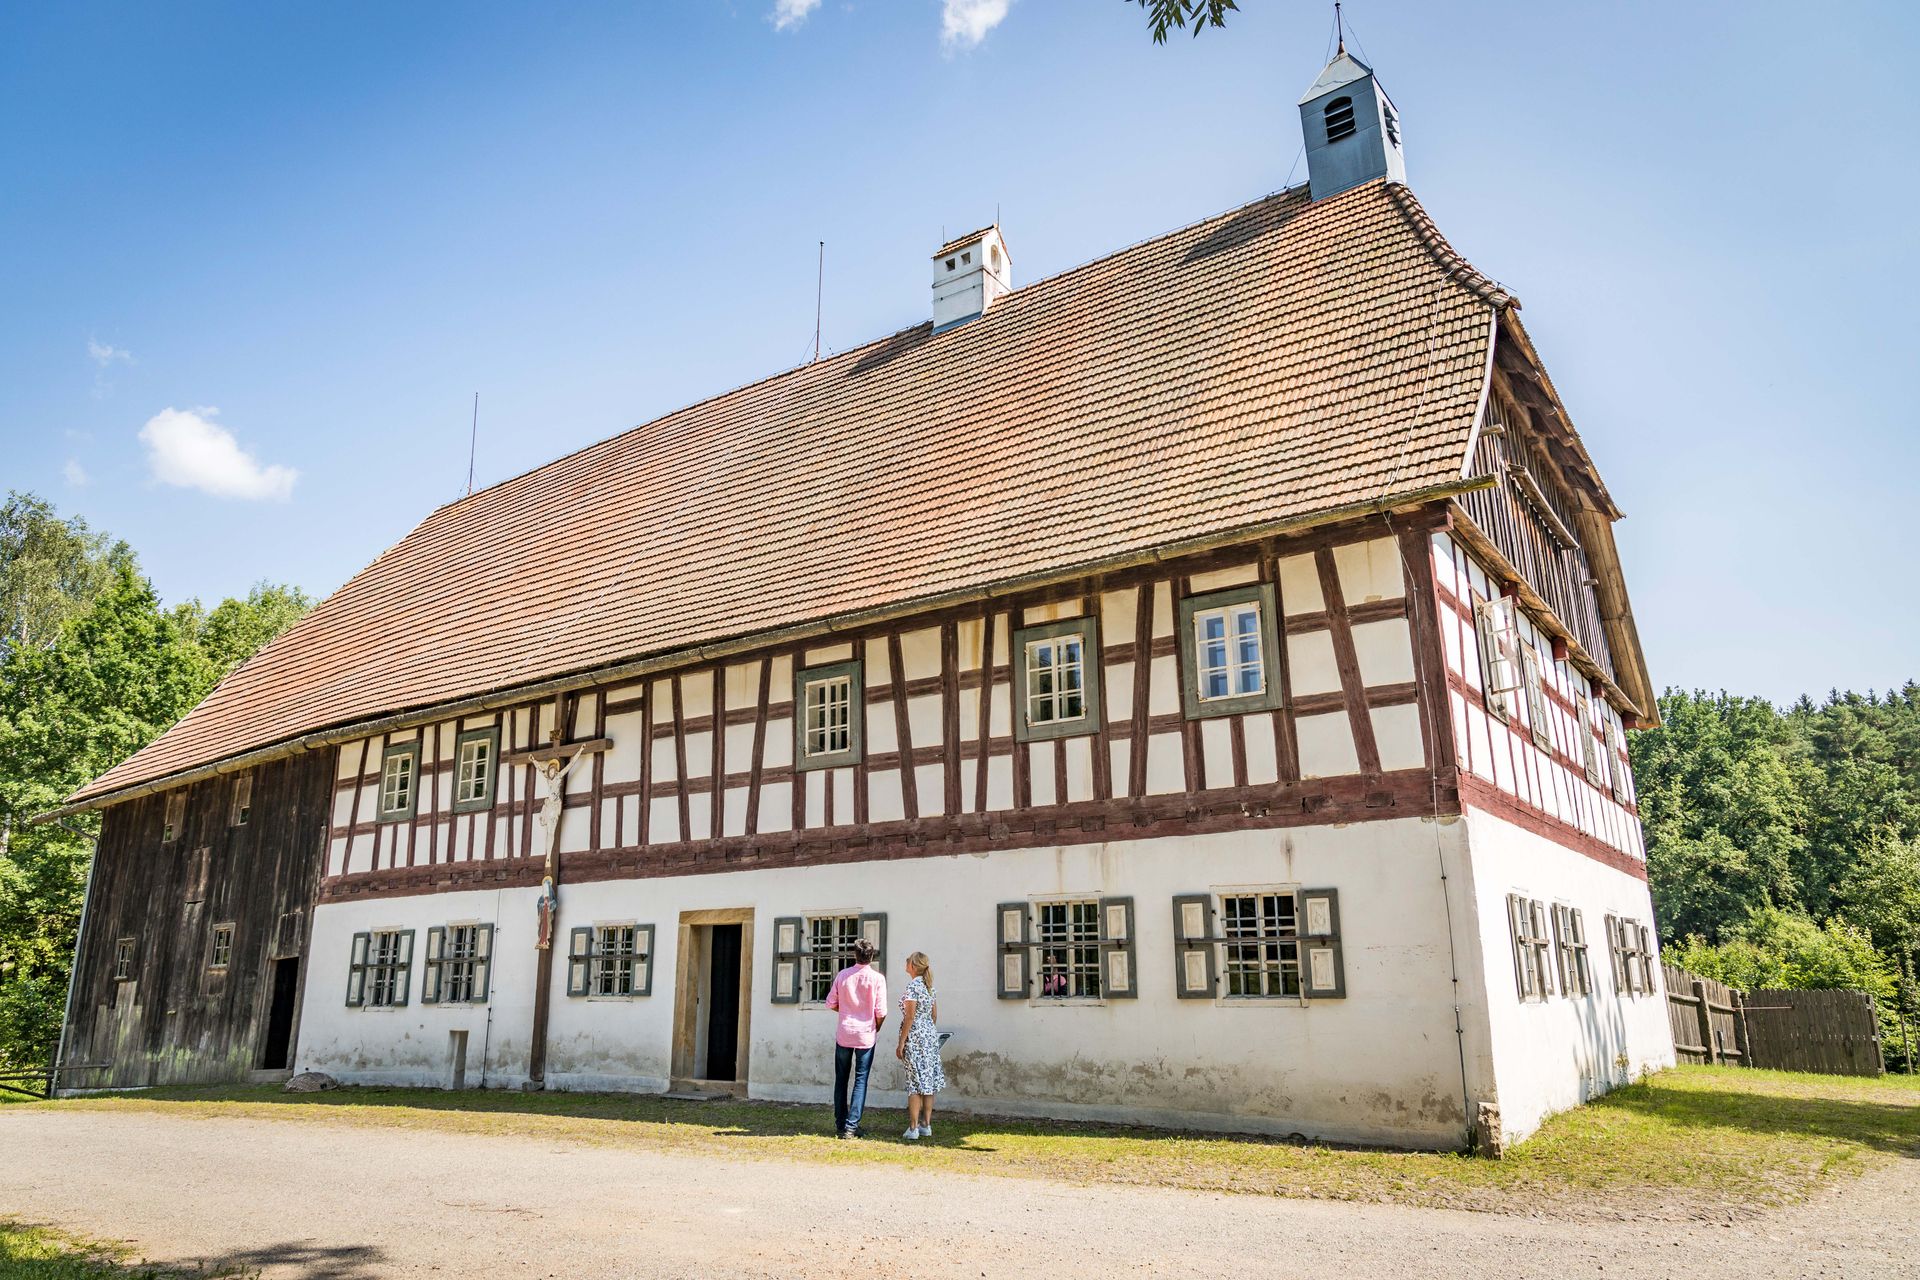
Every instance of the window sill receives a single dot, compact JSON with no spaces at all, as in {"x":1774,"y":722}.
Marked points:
{"x":1067,"y":1002}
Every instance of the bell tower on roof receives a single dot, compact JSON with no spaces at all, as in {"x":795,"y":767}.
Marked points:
{"x":1351,"y":128}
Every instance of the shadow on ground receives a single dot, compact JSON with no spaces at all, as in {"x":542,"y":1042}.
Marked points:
{"x":303,"y":1259}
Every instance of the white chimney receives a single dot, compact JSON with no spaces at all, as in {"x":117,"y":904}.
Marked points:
{"x":969,"y":275}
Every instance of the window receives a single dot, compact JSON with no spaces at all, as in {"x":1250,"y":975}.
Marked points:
{"x":1527,"y":917}
{"x":810,"y":951}
{"x":242,"y":808}
{"x":221,"y":954}
{"x":1570,"y":948}
{"x":380,"y":969}
{"x":399,"y":778}
{"x":123,"y":960}
{"x":1497,"y":623}
{"x":1066,"y":949}
{"x":951,"y":263}
{"x":1273,"y":943}
{"x":175,"y":818}
{"x":829,"y":715}
{"x":458,"y":959}
{"x":1228,"y":648}
{"x":475,"y":755}
{"x":1616,"y":757}
{"x":1632,"y":946}
{"x":1589,"y":750}
{"x":611,"y":961}
{"x":1339,"y":117}
{"x":1536,"y":697}
{"x":1059,"y":679}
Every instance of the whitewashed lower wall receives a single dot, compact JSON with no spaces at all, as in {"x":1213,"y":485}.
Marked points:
{"x":1381,"y":1066}
{"x":1552,"y":1054}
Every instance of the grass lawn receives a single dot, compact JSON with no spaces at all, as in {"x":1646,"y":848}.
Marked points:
{"x":1688,"y":1141}
{"x":30,"y":1253}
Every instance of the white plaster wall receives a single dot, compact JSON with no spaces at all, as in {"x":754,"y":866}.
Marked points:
{"x":1382,"y":1065}
{"x":1553,"y":1054}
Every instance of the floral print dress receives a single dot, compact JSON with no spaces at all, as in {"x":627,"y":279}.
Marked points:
{"x":924,"y":1075}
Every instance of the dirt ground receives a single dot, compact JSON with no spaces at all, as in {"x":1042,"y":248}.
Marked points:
{"x":344,"y":1202}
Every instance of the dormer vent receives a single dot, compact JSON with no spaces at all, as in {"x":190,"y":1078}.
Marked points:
{"x":969,"y":274}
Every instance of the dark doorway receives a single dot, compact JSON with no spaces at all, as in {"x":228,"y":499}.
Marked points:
{"x":723,"y":1003}
{"x":286,"y":988}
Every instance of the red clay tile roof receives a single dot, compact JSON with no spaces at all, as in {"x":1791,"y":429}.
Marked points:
{"x":1284,"y":358}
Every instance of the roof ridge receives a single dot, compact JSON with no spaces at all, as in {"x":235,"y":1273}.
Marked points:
{"x":1450,"y":259}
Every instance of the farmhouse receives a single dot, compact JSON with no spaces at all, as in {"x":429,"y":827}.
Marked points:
{"x":1216,"y":657}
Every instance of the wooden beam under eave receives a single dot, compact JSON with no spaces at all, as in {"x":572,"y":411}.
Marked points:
{"x":1616,"y":612}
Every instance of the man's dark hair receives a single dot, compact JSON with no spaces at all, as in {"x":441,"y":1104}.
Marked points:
{"x":864,"y":952}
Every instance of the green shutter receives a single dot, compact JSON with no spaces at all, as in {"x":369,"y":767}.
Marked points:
{"x":1194,"y":958}
{"x":1012,"y":951}
{"x":643,"y":960}
{"x":403,"y":971}
{"x":357,"y":970}
{"x":1324,"y":965}
{"x":1119,"y":976}
{"x":483,"y":963}
{"x":788,"y":938}
{"x":579,"y":956}
{"x":873,"y":928}
{"x":430,"y":971}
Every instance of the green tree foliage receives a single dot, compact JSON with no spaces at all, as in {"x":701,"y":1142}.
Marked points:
{"x":117,"y":670}
{"x":50,"y":569}
{"x":1164,"y":16}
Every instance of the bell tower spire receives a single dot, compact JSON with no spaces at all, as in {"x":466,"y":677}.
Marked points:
{"x":1351,"y":128}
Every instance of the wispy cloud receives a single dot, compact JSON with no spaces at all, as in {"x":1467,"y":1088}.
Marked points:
{"x":791,"y":13}
{"x":106,"y":355}
{"x":965,"y":23}
{"x":186,"y":448}
{"x":75,"y":473}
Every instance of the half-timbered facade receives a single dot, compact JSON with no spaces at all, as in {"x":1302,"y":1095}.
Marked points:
{"x":1215,"y":658}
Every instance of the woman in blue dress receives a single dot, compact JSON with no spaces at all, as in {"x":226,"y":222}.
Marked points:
{"x":920,"y":1047}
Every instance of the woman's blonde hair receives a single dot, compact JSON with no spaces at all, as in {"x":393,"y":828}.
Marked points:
{"x":918,"y":960}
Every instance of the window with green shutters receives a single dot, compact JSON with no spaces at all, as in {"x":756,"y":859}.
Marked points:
{"x":1273,"y":944}
{"x":610,"y":961}
{"x":1527,"y":922}
{"x":380,"y":969}
{"x":458,"y":960}
{"x":1570,"y":949}
{"x":810,"y":951}
{"x":1066,"y":950}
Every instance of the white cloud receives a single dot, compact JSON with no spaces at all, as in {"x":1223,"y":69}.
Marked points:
{"x":791,"y":13}
{"x":106,"y":354}
{"x":965,"y":23}
{"x":185,"y":447}
{"x":75,"y":473}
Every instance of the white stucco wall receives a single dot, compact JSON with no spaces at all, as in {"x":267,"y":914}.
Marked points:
{"x":1383,"y":1065}
{"x":1556,"y":1053}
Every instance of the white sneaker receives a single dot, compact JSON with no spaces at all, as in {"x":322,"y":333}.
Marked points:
{"x":926,"y":1131}
{"x":911,"y":1135}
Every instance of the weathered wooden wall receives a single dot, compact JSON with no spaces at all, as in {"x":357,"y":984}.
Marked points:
{"x":175,"y":1019}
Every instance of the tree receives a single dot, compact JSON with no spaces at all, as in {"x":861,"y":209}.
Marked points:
{"x":50,"y":569}
{"x":1164,"y":16}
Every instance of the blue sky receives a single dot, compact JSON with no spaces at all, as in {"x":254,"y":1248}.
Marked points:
{"x":334,"y":223}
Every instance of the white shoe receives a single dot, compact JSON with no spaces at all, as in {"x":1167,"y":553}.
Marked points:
{"x":926,"y":1131}
{"x":911,"y":1135}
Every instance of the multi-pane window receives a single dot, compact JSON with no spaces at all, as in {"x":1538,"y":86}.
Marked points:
{"x":1068,"y":934}
{"x":460,"y":964}
{"x":175,"y":818}
{"x":1260,"y":951}
{"x":830,"y":942}
{"x":827,"y":720}
{"x":221,"y":953}
{"x":1570,"y":945}
{"x":1589,"y":751}
{"x":474,"y":760}
{"x":1632,"y":945}
{"x":386,"y":973}
{"x":1527,"y":918}
{"x":123,"y":960}
{"x":614,"y":957}
{"x":242,"y":810}
{"x":1497,"y":623}
{"x":1536,"y":696}
{"x":1227,"y":641}
{"x":1056,"y":679}
{"x":399,"y":778}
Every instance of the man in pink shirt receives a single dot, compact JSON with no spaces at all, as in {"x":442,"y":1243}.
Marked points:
{"x":859,"y":996}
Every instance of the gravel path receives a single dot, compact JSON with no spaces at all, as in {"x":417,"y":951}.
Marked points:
{"x":345,"y":1202}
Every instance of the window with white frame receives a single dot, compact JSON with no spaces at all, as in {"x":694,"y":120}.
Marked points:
{"x":1570,"y":950}
{"x":828,"y":719}
{"x":475,"y":755}
{"x":399,"y":779}
{"x":810,"y":951}
{"x":1632,"y":945}
{"x":123,"y":955}
{"x":1229,"y":651}
{"x":1535,"y":678}
{"x":1066,"y":949}
{"x":1058,"y":679}
{"x":611,"y":960}
{"x":1589,"y":748}
{"x":220,"y":953}
{"x":1258,"y":943}
{"x":459,"y":957}
{"x":241,"y":811}
{"x":1527,"y":918}
{"x":1497,"y":623}
{"x":379,"y":972}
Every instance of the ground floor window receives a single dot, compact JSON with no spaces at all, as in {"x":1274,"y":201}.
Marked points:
{"x":1066,"y":949}
{"x":1069,"y":950}
{"x":1632,"y":946}
{"x":1570,"y":944}
{"x":1258,"y":943}
{"x":810,"y":951}
{"x":1527,"y":919}
{"x":611,"y":960}
{"x":380,"y":972}
{"x":459,"y":957}
{"x":1261,"y":947}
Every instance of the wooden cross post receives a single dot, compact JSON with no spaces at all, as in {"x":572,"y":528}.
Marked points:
{"x":554,"y":762}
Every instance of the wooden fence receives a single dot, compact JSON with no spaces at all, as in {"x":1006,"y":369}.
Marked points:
{"x":1836,"y":1032}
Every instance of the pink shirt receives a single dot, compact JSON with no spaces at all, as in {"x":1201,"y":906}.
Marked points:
{"x":860,"y":995}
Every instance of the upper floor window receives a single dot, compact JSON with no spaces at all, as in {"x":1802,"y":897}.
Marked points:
{"x":475,"y":754}
{"x":123,"y":960}
{"x":828,"y":715}
{"x":1535,"y":681}
{"x":1339,"y":117}
{"x":1059,"y":678}
{"x":242,"y":809}
{"x":1616,"y":755}
{"x":175,"y":817}
{"x":1497,"y":623}
{"x":399,"y":781}
{"x":1258,"y":944}
{"x":1589,"y":749}
{"x":220,"y":955}
{"x":380,"y":969}
{"x":611,"y":960}
{"x":1229,"y":649}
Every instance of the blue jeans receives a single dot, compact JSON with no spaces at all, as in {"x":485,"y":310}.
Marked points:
{"x":848,"y":1104}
